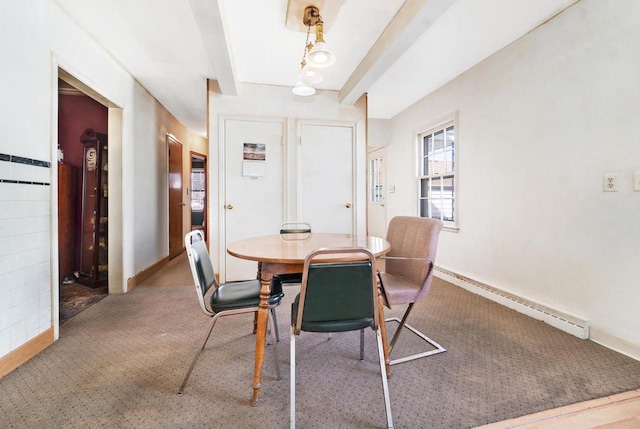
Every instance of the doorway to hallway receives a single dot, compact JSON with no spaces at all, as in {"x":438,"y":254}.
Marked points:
{"x":82,"y":201}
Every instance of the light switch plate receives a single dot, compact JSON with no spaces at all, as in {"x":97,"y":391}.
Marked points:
{"x":610,"y":182}
{"x":636,"y":180}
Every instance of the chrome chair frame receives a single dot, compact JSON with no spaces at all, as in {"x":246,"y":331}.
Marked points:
{"x":402,"y":323}
{"x":188,"y":241}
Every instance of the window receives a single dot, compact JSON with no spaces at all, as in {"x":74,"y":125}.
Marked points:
{"x":375,"y":181}
{"x":436,"y":173}
{"x":198,"y":178}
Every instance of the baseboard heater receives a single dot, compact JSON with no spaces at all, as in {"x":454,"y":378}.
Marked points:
{"x":565,"y":322}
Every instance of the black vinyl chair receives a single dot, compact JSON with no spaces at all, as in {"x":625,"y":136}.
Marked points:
{"x":291,"y":231}
{"x":295,"y":228}
{"x":408,"y":273}
{"x":337,"y":297}
{"x":225,"y":299}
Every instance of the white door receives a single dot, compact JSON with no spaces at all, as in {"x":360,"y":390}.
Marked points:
{"x":253,"y":190}
{"x":326,"y":177}
{"x":376,"y":215}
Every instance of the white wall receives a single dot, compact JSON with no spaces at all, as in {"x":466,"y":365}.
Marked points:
{"x":540,"y":122}
{"x":36,"y":38}
{"x":279,"y":102}
{"x":378,"y":132}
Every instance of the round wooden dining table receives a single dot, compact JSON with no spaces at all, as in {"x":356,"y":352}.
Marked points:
{"x":285,"y":253}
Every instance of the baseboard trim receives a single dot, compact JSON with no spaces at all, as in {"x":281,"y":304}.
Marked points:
{"x":571,"y":324}
{"x":25,"y":352}
{"x":610,"y":341}
{"x":146,"y":273}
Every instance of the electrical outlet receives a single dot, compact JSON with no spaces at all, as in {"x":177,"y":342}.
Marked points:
{"x":610,"y":182}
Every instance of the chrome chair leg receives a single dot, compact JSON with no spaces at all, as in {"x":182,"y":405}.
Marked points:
{"x":275,"y":345}
{"x":361,"y":344}
{"x":385,"y":385}
{"x":195,"y":358}
{"x":275,"y":323}
{"x":403,"y":324}
{"x":292,"y":381}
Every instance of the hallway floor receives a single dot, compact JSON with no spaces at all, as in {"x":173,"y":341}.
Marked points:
{"x":74,"y":298}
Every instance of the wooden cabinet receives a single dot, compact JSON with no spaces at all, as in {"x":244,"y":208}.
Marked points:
{"x":67,"y":175}
{"x":94,"y":244}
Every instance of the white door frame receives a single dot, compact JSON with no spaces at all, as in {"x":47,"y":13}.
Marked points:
{"x":371,"y":150}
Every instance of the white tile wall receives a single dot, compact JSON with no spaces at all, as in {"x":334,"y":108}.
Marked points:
{"x":25,"y":253}
{"x":5,"y":172}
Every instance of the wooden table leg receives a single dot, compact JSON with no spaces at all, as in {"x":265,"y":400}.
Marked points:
{"x":383,"y":332}
{"x":261,"y":338}
{"x":266,"y":270}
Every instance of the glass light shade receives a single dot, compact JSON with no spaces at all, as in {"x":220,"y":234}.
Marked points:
{"x":303,"y":89}
{"x":310,"y":76}
{"x":320,"y":56}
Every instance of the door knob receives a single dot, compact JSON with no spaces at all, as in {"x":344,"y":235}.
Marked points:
{"x":348,"y":205}
{"x":229,"y":206}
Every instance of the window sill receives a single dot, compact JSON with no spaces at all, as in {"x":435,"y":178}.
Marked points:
{"x":451,"y":228}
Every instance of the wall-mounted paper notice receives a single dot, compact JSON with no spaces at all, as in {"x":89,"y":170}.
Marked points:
{"x":254,"y":160}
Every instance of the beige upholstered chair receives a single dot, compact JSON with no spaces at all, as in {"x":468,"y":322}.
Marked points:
{"x":408,"y":272}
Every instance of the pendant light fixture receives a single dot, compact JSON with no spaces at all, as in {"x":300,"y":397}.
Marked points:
{"x":315,"y":56}
{"x":319,"y":56}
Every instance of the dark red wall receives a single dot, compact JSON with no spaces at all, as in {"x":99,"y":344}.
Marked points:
{"x":76,"y":113}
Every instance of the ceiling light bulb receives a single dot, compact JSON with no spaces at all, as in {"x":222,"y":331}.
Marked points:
{"x":320,"y":56}
{"x":303,"y":89}
{"x":310,"y":76}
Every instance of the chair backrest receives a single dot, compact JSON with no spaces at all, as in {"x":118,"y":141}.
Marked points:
{"x":204,"y":276}
{"x":295,"y":228}
{"x":340,"y":294}
{"x":417,"y":238}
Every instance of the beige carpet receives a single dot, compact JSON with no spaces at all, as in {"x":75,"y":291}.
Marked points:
{"x":119,"y":364}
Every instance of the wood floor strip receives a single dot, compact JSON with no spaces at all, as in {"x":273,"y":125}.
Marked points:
{"x":619,"y":411}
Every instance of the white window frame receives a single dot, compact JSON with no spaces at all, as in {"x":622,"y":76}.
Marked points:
{"x":432,"y":129}
{"x":376,"y":193}
{"x":197,"y":175}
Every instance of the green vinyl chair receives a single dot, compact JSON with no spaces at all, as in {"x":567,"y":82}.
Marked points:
{"x":337,"y":297}
{"x":224,"y":299}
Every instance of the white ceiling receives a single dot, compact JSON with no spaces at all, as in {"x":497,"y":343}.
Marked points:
{"x":398,"y":51}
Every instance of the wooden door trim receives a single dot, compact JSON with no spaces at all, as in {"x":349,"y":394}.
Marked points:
{"x":169,"y":140}
{"x":206,"y":189}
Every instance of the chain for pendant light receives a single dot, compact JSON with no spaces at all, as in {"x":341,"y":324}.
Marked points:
{"x":307,"y":46}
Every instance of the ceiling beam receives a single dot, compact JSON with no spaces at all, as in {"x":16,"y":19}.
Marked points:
{"x":410,"y":22}
{"x":209,"y":18}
